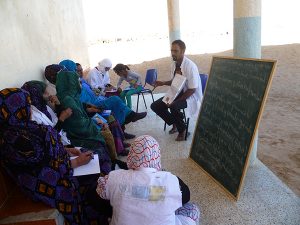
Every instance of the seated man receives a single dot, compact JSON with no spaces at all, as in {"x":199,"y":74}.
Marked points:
{"x":189,"y":98}
{"x":145,"y":195}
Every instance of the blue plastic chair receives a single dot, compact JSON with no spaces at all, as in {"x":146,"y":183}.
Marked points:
{"x":150,"y":79}
{"x":203,"y":81}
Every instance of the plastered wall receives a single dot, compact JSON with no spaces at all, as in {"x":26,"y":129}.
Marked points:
{"x":37,"y":33}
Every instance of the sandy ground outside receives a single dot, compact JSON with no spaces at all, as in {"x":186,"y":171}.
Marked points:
{"x":279,"y":131}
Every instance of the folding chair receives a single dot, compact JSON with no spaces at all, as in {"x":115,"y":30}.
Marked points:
{"x":151,"y":77}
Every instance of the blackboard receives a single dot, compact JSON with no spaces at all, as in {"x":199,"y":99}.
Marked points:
{"x":230,"y":112}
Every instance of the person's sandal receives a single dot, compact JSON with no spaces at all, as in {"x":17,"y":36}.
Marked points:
{"x":180,"y":137}
{"x":173,"y":130}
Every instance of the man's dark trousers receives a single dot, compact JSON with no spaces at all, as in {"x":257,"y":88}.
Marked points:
{"x":174,"y":116}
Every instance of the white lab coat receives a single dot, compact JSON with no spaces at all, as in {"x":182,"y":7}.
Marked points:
{"x":190,"y":71}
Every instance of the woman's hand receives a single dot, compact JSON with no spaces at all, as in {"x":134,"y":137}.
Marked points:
{"x":82,"y":159}
{"x":105,"y":126}
{"x":73,"y":151}
{"x":54,"y":100}
{"x":99,"y":121}
{"x":65,"y":114}
{"x":159,"y":83}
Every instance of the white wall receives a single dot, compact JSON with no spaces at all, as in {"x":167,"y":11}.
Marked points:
{"x":37,"y":33}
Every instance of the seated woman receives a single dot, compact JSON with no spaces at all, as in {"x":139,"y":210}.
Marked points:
{"x":41,"y":112}
{"x":114,"y":125}
{"x":121,"y":112}
{"x":98,"y":77}
{"x":132,"y":78}
{"x":145,"y":195}
{"x":37,"y":90}
{"x":35,"y":158}
{"x":80,"y":128}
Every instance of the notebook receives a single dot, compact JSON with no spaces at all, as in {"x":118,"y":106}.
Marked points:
{"x":92,"y":167}
{"x":175,"y":88}
{"x":100,"y":117}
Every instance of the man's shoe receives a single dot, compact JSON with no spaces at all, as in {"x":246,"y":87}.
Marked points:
{"x":173,"y":130}
{"x":129,"y":136}
{"x":139,"y":116}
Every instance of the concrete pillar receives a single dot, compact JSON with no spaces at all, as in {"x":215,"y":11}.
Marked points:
{"x":247,"y":38}
{"x":174,"y":20}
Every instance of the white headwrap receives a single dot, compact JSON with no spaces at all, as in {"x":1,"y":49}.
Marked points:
{"x":103,"y":64}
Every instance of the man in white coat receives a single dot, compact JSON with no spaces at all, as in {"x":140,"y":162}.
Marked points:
{"x":190,"y":97}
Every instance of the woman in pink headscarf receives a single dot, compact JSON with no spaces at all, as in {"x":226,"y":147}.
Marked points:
{"x":145,"y":195}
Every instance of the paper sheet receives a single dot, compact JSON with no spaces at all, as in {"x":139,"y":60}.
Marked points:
{"x":91,"y":168}
{"x":175,"y":88}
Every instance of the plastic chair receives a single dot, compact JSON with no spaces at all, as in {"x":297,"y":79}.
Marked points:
{"x":203,"y":78}
{"x":151,"y":77}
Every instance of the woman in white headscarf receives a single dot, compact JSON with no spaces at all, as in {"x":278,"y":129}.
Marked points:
{"x":145,"y":195}
{"x":98,"y":77}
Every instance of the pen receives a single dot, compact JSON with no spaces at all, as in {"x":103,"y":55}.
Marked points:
{"x":92,"y":155}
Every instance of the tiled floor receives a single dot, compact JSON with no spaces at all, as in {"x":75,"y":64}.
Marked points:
{"x":264,"y":198}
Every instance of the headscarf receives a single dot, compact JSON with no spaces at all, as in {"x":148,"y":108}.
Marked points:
{"x":69,"y":65}
{"x":36,"y":90}
{"x":34,"y":157}
{"x":51,"y":72}
{"x":103,"y":64}
{"x":19,"y":131}
{"x":80,"y":129}
{"x":14,"y":107}
{"x":144,"y":153}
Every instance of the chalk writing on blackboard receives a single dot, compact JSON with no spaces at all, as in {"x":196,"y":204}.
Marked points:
{"x":231,"y":109}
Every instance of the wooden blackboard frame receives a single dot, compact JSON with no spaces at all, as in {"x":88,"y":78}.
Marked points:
{"x":264,"y":98}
